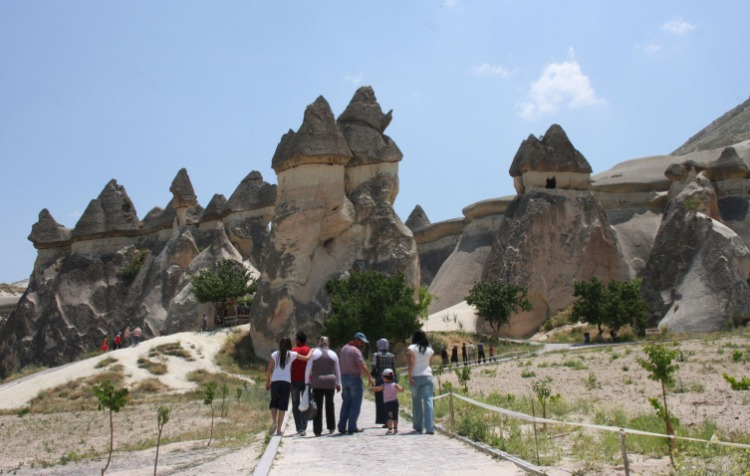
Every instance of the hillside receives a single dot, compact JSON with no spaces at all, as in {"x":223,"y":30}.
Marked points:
{"x":732,"y":127}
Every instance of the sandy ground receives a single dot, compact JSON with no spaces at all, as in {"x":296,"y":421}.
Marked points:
{"x":701,"y":393}
{"x":607,"y":377}
{"x":61,"y":443}
{"x":203,"y":346}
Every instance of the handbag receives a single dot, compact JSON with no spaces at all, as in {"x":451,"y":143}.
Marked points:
{"x":312,"y":409}
{"x":304,"y":401}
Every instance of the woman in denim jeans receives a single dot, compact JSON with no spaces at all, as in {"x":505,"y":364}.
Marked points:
{"x":420,"y":379}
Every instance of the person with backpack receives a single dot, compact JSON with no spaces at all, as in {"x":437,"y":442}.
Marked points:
{"x":381,"y":360}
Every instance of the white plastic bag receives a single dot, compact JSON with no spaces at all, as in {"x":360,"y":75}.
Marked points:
{"x":304,"y":401}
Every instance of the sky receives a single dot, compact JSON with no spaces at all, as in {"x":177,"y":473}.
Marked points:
{"x":135,"y":90}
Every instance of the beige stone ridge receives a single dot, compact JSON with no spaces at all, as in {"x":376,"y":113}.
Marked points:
{"x":359,"y":174}
{"x":463,"y":268}
{"x":203,"y":347}
{"x":460,"y":317}
{"x":439,"y":230}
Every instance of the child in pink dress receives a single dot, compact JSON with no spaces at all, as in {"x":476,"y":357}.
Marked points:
{"x":390,"y":391}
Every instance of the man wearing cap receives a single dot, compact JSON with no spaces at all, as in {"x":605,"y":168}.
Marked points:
{"x":353,"y":367}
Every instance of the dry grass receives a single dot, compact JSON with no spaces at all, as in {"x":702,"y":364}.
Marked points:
{"x":33,"y":437}
{"x":174,"y":349}
{"x":156,"y":368}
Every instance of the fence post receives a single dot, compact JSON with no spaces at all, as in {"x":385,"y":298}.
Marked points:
{"x":450,"y":402}
{"x":624,"y":449}
{"x":536,"y":440}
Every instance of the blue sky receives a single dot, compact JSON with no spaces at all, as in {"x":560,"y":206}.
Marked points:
{"x":92,"y":90}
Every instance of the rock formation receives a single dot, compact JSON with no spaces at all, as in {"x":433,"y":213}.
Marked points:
{"x":552,"y":236}
{"x":463,"y":267}
{"x":435,"y":242}
{"x":696,"y":277}
{"x":112,"y":270}
{"x":334,"y":214}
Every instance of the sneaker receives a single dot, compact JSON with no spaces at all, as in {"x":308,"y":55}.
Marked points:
{"x":302,"y":433}
{"x":356,"y":430}
{"x":389,"y":432}
{"x":395,"y":431}
{"x":273,"y":428}
{"x":429,"y":432}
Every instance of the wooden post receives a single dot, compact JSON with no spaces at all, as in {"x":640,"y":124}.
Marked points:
{"x":450,"y":403}
{"x":536,"y":440}
{"x":624,"y":449}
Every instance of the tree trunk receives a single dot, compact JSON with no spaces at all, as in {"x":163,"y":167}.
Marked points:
{"x":158,"y":441}
{"x":668,"y":420}
{"x":111,"y":442}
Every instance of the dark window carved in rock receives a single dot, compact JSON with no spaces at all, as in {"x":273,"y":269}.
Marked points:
{"x":551,"y":183}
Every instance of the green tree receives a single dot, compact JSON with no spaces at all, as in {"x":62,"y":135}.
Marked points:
{"x":463,"y":374}
{"x":162,"y":417}
{"x":373,"y":303}
{"x":228,"y":283}
{"x":625,"y":306}
{"x":425,"y":298}
{"x":615,"y":305}
{"x":543,"y":392}
{"x":661,"y":369}
{"x":496,"y":301}
{"x":113,"y":400}
{"x":209,"y":394}
{"x":592,"y":298}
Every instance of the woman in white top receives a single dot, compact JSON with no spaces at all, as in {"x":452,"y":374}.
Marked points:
{"x":420,"y":379}
{"x":279,"y":381}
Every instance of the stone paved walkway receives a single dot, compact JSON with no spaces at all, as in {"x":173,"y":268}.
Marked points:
{"x":374,"y":452}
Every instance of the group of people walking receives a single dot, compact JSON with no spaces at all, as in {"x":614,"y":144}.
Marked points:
{"x":291,"y":370}
{"x":128,"y":338}
{"x":467,"y":354}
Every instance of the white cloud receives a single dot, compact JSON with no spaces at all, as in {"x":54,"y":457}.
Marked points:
{"x":561,"y":84}
{"x":487,"y":69}
{"x":652,"y":48}
{"x":75,"y":214}
{"x":678,"y":27}
{"x":355,"y":79}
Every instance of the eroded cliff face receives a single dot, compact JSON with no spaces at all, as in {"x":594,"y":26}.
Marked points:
{"x":546,"y":242}
{"x":696,"y":277}
{"x":334,"y":214}
{"x":113,"y":270}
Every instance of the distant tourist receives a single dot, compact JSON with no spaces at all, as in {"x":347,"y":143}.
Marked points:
{"x":480,"y":353}
{"x":105,"y":346}
{"x":118,"y":341}
{"x":444,"y":356}
{"x":463,"y":353}
{"x":454,"y":355}
{"x":128,"y":337}
{"x":492,"y":354}
{"x":137,"y":334}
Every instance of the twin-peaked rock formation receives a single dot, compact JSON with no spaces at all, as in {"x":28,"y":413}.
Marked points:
{"x":331,"y":213}
{"x":334,"y":214}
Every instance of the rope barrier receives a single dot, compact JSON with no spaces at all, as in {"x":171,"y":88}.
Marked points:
{"x":523,"y":416}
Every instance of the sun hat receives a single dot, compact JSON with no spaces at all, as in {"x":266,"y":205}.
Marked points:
{"x":361,"y":336}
